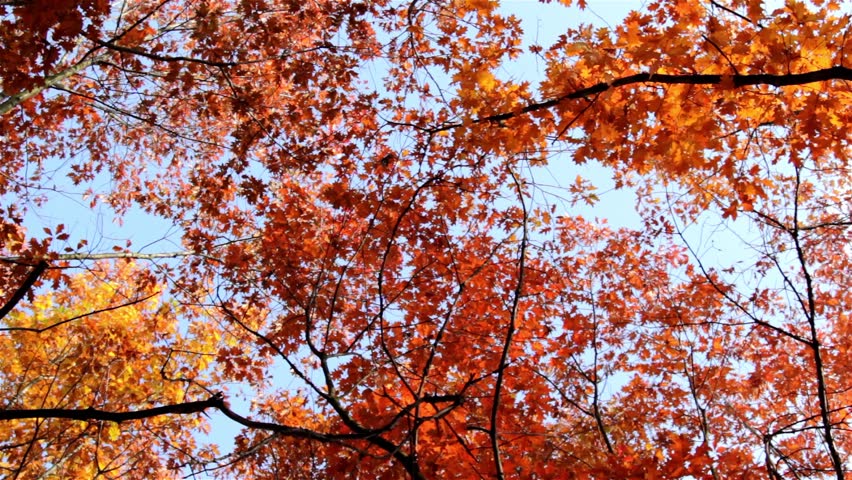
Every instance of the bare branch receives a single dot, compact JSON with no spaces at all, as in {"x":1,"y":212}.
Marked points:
{"x":810,"y":313}
{"x":736,"y":81}
{"x":103,"y":256}
{"x":25,"y":287}
{"x":121,"y":255}
{"x":77,"y":317}
{"x":513,"y":317}
{"x":103,"y":415}
{"x":734,"y":13}
{"x":51,"y":80}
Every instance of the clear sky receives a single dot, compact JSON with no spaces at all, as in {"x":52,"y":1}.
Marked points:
{"x":542,"y":25}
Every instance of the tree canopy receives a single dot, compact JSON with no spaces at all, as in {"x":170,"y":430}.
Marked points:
{"x":375,"y":275}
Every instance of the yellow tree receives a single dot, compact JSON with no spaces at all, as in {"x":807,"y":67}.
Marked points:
{"x":84,"y":369}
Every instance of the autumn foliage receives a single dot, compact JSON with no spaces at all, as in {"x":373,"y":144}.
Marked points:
{"x":384,"y":269}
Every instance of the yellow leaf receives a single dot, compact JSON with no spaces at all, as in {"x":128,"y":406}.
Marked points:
{"x":113,"y":431}
{"x":486,"y":80}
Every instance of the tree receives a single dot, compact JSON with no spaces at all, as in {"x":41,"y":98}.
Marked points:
{"x":378,"y":265}
{"x":94,"y":344}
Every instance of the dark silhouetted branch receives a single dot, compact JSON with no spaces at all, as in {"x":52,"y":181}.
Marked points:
{"x":25,"y":287}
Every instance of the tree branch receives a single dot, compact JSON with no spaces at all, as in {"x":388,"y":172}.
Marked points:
{"x":25,"y":287}
{"x":16,"y":99}
{"x":735,"y":81}
{"x":216,"y":401}
{"x":507,"y":343}
{"x":77,"y":317}
{"x":104,"y":256}
{"x":122,"y":255}
{"x":810,"y":313}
